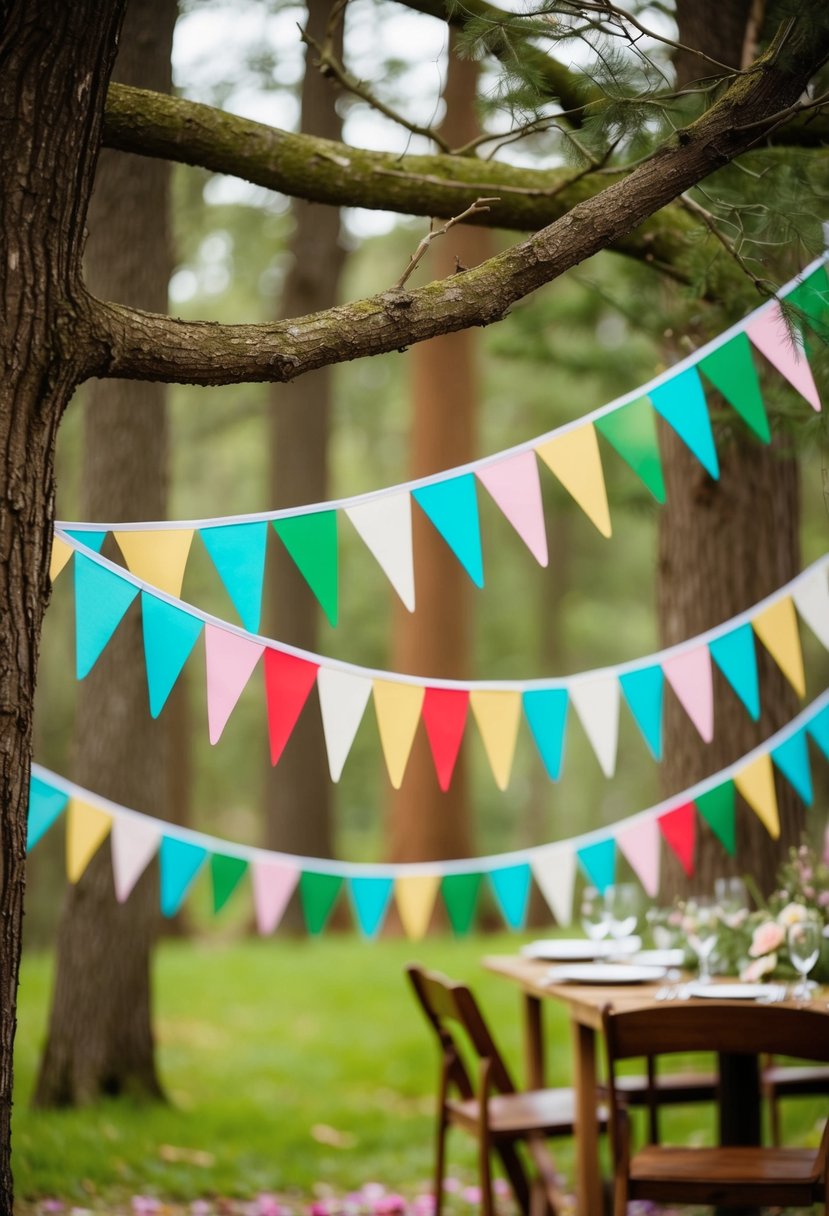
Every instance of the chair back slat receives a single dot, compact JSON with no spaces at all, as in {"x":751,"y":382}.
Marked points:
{"x":450,"y":1007}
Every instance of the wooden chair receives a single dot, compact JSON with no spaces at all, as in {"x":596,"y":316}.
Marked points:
{"x":653,"y":1089}
{"x":490,"y":1108}
{"x":729,"y":1176}
{"x":790,"y":1081}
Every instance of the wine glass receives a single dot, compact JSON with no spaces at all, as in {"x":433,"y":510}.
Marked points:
{"x":594,"y":915}
{"x":731,"y":894}
{"x":803,"y":940}
{"x":623,"y":906}
{"x":702,"y":920}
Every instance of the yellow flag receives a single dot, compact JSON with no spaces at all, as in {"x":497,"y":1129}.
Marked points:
{"x":776,"y":627}
{"x":86,"y":830}
{"x":756,"y":784}
{"x":498,"y":714}
{"x":158,"y":557}
{"x":575,"y":460}
{"x":61,"y":552}
{"x":415,"y":895}
{"x":398,"y":713}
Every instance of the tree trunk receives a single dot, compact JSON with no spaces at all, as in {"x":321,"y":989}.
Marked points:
{"x":424,"y":823}
{"x":100,"y":1039}
{"x":298,"y":789}
{"x":724,"y":545}
{"x":54,"y":64}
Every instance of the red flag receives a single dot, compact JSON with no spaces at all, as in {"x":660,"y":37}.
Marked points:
{"x":679,"y":828}
{"x":288,"y":680}
{"x":444,"y":716}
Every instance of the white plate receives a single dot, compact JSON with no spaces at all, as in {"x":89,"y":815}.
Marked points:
{"x":660,"y":958}
{"x":564,"y":949}
{"x":732,"y":992}
{"x":604,"y":973}
{"x":624,"y":947}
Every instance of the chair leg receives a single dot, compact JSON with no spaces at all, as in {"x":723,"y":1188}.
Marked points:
{"x":774,"y":1117}
{"x":440,"y":1163}
{"x":517,"y":1175}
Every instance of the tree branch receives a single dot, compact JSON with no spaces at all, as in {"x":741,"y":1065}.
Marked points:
{"x":126,"y":343}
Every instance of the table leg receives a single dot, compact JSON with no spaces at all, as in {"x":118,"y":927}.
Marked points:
{"x":534,"y":1042}
{"x":588,"y":1174}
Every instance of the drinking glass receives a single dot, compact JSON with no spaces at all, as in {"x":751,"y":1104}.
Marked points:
{"x":703,"y":920}
{"x":803,"y":939}
{"x":623,"y":906}
{"x":731,"y":894}
{"x":594,"y":915}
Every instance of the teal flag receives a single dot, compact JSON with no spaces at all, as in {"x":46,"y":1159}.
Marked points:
{"x":735,"y":655}
{"x":45,"y":806}
{"x":546,"y":711}
{"x":180,"y":863}
{"x":238,"y":553}
{"x":452,"y":506}
{"x":511,"y":885}
{"x":169,"y":636}
{"x":599,"y":863}
{"x":101,"y":599}
{"x":818,"y":728}
{"x":370,"y":899}
{"x":92,"y":540}
{"x":681,"y":402}
{"x":644,"y":690}
{"x":792,"y":758}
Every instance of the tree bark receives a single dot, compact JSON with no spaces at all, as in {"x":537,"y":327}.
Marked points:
{"x":723,"y":546}
{"x":424,"y":822}
{"x":100,"y":1039}
{"x":54,"y":62}
{"x":298,"y":788}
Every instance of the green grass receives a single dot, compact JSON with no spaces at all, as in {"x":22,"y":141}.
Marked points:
{"x":260,"y":1043}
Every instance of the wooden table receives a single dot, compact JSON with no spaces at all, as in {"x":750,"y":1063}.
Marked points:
{"x":740,"y":1092}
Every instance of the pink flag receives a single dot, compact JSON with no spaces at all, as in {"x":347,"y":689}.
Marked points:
{"x":273,"y":886}
{"x":230,"y":663}
{"x":773,"y":338}
{"x":514,"y":485}
{"x":640,"y":844}
{"x":689,"y":675}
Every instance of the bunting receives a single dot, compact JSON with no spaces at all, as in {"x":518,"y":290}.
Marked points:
{"x":104,"y":592}
{"x":158,"y":554}
{"x":273,"y":877}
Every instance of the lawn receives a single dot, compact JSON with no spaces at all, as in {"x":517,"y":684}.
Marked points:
{"x":288,"y":1064}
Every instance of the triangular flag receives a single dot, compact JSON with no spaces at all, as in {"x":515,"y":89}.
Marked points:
{"x":511,"y":885}
{"x":133,"y":844}
{"x":101,"y":599}
{"x":679,"y":828}
{"x":689,"y":675}
{"x":158,"y":558}
{"x":756,"y":784}
{"x":169,"y":636}
{"x":238,"y":553}
{"x":514,"y":485}
{"x":343,"y":698}
{"x":460,"y":895}
{"x":226,"y":873}
{"x":575,"y":460}
{"x":632,"y":432}
{"x":640,"y":844}
{"x":61,"y":552}
{"x":643,"y":689}
{"x":273,"y":884}
{"x":311,"y":540}
{"x":498,"y":714}
{"x":398,"y":712}
{"x":731,"y":370}
{"x":811,"y":299}
{"x":318,"y":893}
{"x":599,"y":862}
{"x":288,"y":681}
{"x":792,"y":758}
{"x":45,"y":806}
{"x":230,"y":663}
{"x":452,"y":506}
{"x":771,"y":335}
{"x":717,"y":809}
{"x":734,"y":654}
{"x":546,"y":712}
{"x":596,"y":702}
{"x":818,"y":728}
{"x":87,"y":828}
{"x":681,"y":402}
{"x":811,"y":598}
{"x":554,"y":870}
{"x":385,"y":526}
{"x":370,"y":899}
{"x":776,"y":627}
{"x":415,"y":895}
{"x":444,"y":716}
{"x":92,"y":540}
{"x":180,"y":863}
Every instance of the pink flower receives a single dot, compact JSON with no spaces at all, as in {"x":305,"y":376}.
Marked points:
{"x":424,"y":1205}
{"x":823,"y":899}
{"x":760,"y":967}
{"x":145,"y":1205}
{"x":472,"y":1194}
{"x":321,"y":1207}
{"x":389,"y":1205}
{"x":268,"y":1205}
{"x":767,"y":937}
{"x":501,"y":1187}
{"x":451,"y":1186}
{"x":372,"y":1190}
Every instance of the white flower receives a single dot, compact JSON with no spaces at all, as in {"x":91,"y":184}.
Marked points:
{"x":792,"y":914}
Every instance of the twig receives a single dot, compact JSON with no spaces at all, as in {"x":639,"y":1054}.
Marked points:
{"x":694,"y":208}
{"x":480,"y":204}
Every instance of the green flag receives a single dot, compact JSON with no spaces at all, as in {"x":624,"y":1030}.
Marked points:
{"x":731,"y":370}
{"x":318,"y":893}
{"x":311,"y":541}
{"x":226,"y":873}
{"x":717,"y":809}
{"x":460,"y":894}
{"x":632,"y":432}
